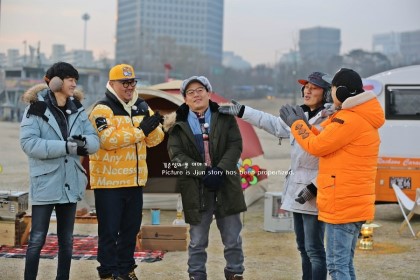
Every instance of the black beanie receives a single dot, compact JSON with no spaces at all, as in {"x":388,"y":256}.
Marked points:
{"x":349,"y":79}
{"x":348,"y":84}
{"x":62,"y":70}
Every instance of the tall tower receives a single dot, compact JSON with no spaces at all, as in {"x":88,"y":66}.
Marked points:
{"x":85,"y":17}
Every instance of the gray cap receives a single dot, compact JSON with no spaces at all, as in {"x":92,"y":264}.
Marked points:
{"x":316,"y":78}
{"x":200,"y":79}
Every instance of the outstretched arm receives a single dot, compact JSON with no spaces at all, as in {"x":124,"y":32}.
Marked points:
{"x":270,"y":123}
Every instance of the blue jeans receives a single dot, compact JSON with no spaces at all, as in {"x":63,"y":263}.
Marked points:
{"x":119,"y":213}
{"x":310,"y":241}
{"x":41,"y":214}
{"x":230,"y":231}
{"x":341,"y":243}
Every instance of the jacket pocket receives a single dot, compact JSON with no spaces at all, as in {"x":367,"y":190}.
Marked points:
{"x":43,"y":169}
{"x":81,"y":182}
{"x":45,"y":182}
{"x":326,"y":193}
{"x":190,"y":190}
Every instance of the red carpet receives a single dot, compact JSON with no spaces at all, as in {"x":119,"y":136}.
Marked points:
{"x":84,"y":248}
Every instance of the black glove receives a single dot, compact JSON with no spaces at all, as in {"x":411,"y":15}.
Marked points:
{"x":149,"y":123}
{"x":73,"y":149}
{"x":213,"y":179}
{"x":78,"y":139}
{"x":308,"y":193}
{"x":159,"y":116}
{"x":235,"y":110}
{"x":291,"y":114}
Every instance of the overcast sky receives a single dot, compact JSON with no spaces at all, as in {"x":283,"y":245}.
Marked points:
{"x":257,"y":30}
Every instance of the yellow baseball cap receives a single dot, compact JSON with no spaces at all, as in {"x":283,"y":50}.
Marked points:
{"x":122,"y":72}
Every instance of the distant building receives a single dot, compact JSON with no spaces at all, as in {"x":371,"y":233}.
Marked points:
{"x":402,"y":48}
{"x":193,"y":23}
{"x":319,"y":43}
{"x":17,"y":80}
{"x":3,"y":60}
{"x":290,"y":58}
{"x":58,"y":53}
{"x":92,"y":82}
{"x":79,"y":58}
{"x":410,"y":47}
{"x":231,"y":60}
{"x":13,"y":58}
{"x":20,"y":72}
{"x":389,"y":45}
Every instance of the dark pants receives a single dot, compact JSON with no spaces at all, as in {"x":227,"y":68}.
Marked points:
{"x":310,"y":240}
{"x":119,"y":213}
{"x":41,"y":214}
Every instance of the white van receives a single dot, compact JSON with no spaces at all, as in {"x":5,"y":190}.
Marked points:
{"x":398,"y":91}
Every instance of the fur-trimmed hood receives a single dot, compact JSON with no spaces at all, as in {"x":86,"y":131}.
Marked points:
{"x":367,"y":106}
{"x":181,"y":114}
{"x":31,"y":95}
{"x":169,"y":121}
{"x":357,"y":99}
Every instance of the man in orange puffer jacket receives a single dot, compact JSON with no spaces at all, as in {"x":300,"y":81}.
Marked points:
{"x":348,"y":150}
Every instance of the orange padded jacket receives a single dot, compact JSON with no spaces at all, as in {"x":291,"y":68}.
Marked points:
{"x":348,"y":150}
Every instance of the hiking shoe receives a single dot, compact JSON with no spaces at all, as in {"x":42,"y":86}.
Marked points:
{"x":130,"y":276}
{"x":233,"y":276}
{"x":198,"y":277}
{"x":106,"y":277}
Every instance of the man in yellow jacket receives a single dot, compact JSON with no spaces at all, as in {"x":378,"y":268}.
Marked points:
{"x":118,"y":171}
{"x":348,"y":149}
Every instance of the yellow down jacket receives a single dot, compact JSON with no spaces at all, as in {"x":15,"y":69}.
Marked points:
{"x":121,"y":159}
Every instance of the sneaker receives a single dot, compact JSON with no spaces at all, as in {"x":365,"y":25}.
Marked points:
{"x":234,"y":277}
{"x":197,"y":277}
{"x":106,"y":277}
{"x":130,"y":276}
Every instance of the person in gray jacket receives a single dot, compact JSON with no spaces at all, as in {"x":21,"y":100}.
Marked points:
{"x":205,"y":147}
{"x":54,"y":133}
{"x":300,"y":185}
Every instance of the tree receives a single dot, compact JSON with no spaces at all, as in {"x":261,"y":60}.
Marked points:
{"x":366,"y":63}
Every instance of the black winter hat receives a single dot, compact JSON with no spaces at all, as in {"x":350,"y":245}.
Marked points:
{"x":62,"y":70}
{"x":349,"y":79}
{"x":348,"y":83}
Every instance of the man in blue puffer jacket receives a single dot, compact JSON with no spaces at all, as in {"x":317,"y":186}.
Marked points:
{"x":54,"y":133}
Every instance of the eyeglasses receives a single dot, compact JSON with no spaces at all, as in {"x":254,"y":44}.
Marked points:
{"x":131,"y":83}
{"x":199,"y":90}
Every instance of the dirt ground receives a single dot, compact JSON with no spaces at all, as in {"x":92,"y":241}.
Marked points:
{"x":268,"y":255}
